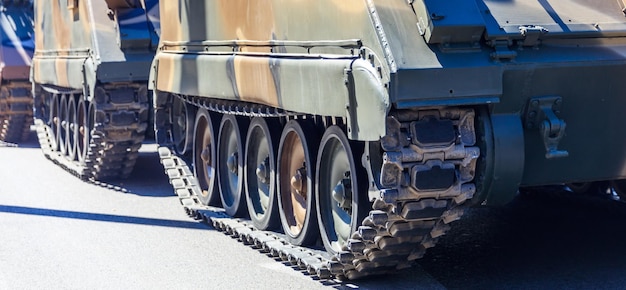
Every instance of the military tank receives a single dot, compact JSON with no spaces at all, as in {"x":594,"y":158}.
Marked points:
{"x":89,"y":73}
{"x":16,"y":32}
{"x":354,"y":133}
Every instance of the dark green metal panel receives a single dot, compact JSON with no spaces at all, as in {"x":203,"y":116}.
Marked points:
{"x":593,"y":109}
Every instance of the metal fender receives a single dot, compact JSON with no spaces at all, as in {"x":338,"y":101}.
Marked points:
{"x":368,"y":102}
{"x":508,"y":158}
{"x":341,"y":87}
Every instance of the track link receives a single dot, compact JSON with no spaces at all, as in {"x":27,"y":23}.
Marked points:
{"x":404,"y":220}
{"x":117,"y":132}
{"x":16,"y":112}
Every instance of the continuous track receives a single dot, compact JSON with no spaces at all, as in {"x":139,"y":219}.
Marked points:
{"x":16,"y":112}
{"x":116,"y":124}
{"x":402,"y":222}
{"x":400,"y":226}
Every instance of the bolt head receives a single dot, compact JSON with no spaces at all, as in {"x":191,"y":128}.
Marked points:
{"x":233,"y":163}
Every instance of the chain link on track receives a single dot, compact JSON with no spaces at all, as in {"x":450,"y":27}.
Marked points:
{"x":186,"y":187}
{"x":399,"y":228}
{"x":16,"y":112}
{"x":113,"y":148}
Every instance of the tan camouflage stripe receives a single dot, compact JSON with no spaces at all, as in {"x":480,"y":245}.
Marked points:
{"x":254,"y":81}
{"x":254,"y":20}
{"x":62,"y":40}
{"x":60,"y":30}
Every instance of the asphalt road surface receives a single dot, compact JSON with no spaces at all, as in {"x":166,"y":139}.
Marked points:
{"x":57,"y":232}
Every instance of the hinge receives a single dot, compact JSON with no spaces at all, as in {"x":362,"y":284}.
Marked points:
{"x":542,"y":113}
{"x":502,"y":51}
{"x":531,"y":34}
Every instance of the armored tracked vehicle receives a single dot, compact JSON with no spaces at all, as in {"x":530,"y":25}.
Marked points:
{"x":16,"y":102}
{"x":90,"y":70}
{"x":371,"y":125}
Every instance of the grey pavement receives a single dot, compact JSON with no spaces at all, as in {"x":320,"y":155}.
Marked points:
{"x":57,"y":232}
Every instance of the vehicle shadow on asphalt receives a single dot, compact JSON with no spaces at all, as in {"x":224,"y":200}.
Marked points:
{"x":147,"y":179}
{"x":541,"y":240}
{"x":103,"y":217}
{"x":31,"y":142}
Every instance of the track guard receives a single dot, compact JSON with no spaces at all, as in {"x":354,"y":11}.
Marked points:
{"x":508,"y":158}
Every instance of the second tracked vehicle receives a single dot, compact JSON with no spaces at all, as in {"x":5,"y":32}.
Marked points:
{"x":89,"y":74}
{"x":16,"y":51}
{"x":369,"y":126}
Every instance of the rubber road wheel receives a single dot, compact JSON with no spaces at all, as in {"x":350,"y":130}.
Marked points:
{"x":230,"y":164}
{"x":71,"y":132}
{"x":260,"y":173}
{"x":62,"y":128}
{"x":82,"y":128}
{"x":204,"y":159}
{"x":341,"y":189}
{"x":296,"y":171}
{"x":54,"y":122}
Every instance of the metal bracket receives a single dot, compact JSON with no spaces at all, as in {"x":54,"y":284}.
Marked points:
{"x":531,"y":34}
{"x":542,"y":113}
{"x":502,"y":51}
